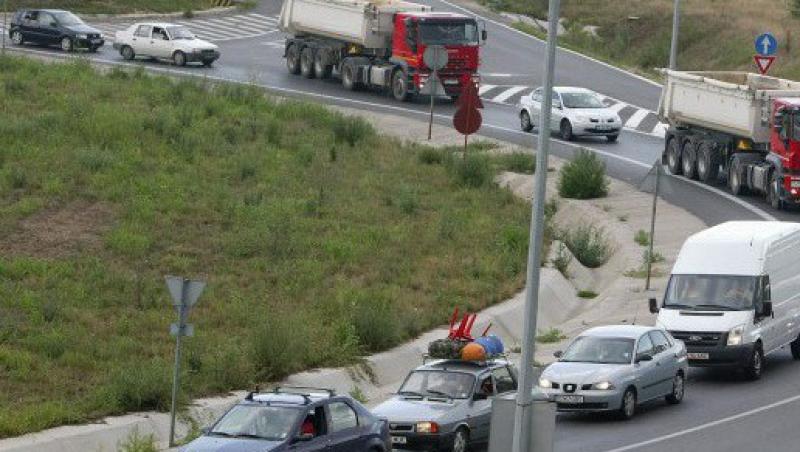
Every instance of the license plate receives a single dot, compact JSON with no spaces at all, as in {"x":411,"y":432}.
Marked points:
{"x":96,"y":41}
{"x":399,"y":440}
{"x":451,"y":82}
{"x":569,"y":399}
{"x":698,"y":355}
{"x":603,"y":128}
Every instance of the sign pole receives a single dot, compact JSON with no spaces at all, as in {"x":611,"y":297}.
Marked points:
{"x":652,"y":226}
{"x":177,"y":372}
{"x":523,"y":414}
{"x":673,"y":50}
{"x":433,"y":90}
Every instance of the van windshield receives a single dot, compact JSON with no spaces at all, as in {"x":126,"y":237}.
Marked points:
{"x":714,"y":292}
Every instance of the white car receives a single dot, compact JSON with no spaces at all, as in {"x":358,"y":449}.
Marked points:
{"x":165,"y":41}
{"x":575,"y":112}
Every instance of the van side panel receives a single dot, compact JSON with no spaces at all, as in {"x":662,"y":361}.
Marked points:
{"x":782,"y":264}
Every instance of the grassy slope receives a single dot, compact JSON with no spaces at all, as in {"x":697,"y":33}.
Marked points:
{"x":320,"y":240}
{"x":715,"y":34}
{"x":116,"y":6}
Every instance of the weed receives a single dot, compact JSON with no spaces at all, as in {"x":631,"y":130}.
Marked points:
{"x":550,"y":336}
{"x":588,"y":244}
{"x":562,"y":259}
{"x":407,"y":200}
{"x":376,"y":323}
{"x":188,"y":14}
{"x":584,"y":177}
{"x":587,"y":294}
{"x":517,"y":162}
{"x":431,"y":156}
{"x":473,"y":172}
{"x":654,"y":259}
{"x":642,"y":238}
{"x":136,"y":442}
{"x":358,"y":394}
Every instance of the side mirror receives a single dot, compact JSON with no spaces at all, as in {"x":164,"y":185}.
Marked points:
{"x":643,"y":357}
{"x":653,"y":305}
{"x":558,"y":354}
{"x":557,"y":105}
{"x":484,"y":35}
{"x":205,"y":430}
{"x":766,"y":309}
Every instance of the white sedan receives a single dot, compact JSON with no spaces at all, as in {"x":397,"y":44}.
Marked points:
{"x":575,"y":112}
{"x":165,"y":41}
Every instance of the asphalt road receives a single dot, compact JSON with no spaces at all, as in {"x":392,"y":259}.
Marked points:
{"x":704,"y":421}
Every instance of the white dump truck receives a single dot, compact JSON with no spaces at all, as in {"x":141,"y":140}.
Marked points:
{"x":742,"y":126}
{"x":379,"y":44}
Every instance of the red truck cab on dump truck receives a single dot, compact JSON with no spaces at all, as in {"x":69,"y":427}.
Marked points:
{"x":785,"y":148}
{"x":379,"y":44}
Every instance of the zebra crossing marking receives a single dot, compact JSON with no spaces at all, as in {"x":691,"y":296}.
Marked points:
{"x":510,"y":92}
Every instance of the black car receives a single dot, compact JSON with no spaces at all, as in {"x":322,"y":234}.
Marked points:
{"x":297,"y":420}
{"x":54,"y":27}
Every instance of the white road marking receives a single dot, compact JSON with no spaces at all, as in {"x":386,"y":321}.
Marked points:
{"x":484,"y":88}
{"x":636,"y":119}
{"x":616,"y":108}
{"x":757,"y":211}
{"x":505,"y":95}
{"x":707,"y":425}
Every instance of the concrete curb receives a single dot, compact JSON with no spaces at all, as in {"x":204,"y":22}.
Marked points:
{"x":148,"y":16}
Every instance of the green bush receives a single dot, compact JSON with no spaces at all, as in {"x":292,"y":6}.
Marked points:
{"x":517,"y":162}
{"x":142,"y":387}
{"x":281,"y":345}
{"x":562,"y":260}
{"x":473,"y":172}
{"x":641,"y":237}
{"x":588,"y":244}
{"x":584,"y":177}
{"x":376,"y":323}
{"x":136,"y":442}
{"x":431,"y":156}
{"x":587,"y":294}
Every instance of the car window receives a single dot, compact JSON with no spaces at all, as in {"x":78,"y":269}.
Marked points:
{"x":45,"y":19}
{"x":314,"y":423}
{"x":342,"y":417}
{"x":437,"y":383}
{"x":31,"y":15}
{"x":645,"y":346}
{"x":160,"y":34}
{"x":143,"y":31}
{"x":660,"y":342}
{"x":486,"y":386}
{"x":266,"y":422}
{"x":503,"y":380}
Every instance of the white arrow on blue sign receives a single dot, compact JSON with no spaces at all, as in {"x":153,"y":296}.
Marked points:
{"x":766,"y":44}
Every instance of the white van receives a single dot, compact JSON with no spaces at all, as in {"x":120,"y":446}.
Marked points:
{"x":734,"y":294}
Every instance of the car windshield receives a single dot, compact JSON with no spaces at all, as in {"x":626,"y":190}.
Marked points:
{"x":599,"y":350}
{"x":581,"y":100}
{"x":456,"y":385}
{"x":180,"y":33}
{"x":448,"y":33}
{"x":65,"y":18}
{"x":723,"y":292}
{"x":253,"y":421}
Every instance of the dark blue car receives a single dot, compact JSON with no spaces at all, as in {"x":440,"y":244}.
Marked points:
{"x":54,"y":27}
{"x":296,"y":419}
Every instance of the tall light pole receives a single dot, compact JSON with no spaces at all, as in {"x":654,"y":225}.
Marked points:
{"x":676,"y":23}
{"x":5,"y":24}
{"x":524,"y":409}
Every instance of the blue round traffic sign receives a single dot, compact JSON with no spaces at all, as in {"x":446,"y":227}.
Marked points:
{"x":766,"y":44}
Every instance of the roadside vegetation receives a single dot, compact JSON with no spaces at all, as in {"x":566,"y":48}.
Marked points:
{"x":117,"y":6}
{"x":136,"y":442}
{"x":587,"y":294}
{"x":584,"y":177}
{"x":320,"y":240}
{"x":551,"y":336}
{"x":588,"y":243}
{"x":636,"y":34}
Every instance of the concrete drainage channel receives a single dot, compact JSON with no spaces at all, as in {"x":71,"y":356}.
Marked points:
{"x":620,"y":299}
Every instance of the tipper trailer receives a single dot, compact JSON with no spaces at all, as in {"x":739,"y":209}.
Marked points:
{"x":744,"y":127}
{"x":379,"y":44}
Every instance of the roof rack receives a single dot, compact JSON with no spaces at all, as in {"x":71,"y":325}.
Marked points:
{"x":426,"y":358}
{"x":303,"y":390}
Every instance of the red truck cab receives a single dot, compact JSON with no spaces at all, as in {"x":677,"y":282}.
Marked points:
{"x":459,"y":34}
{"x":785,"y":146}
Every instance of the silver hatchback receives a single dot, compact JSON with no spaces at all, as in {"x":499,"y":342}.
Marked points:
{"x":616,"y":368}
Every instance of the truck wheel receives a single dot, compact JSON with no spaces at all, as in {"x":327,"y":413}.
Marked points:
{"x":795,"y":347}
{"x":525,"y":121}
{"x":674,"y":156}
{"x":322,"y":69}
{"x":293,"y":59}
{"x":735,"y":177}
{"x":307,"y":63}
{"x":707,"y":162}
{"x":756,"y":364}
{"x":689,"y":159}
{"x":349,"y":76}
{"x":400,"y":85}
{"x":774,"y":192}
{"x":127,"y":53}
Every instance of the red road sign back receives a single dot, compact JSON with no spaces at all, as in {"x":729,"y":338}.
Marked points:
{"x":764,"y":63}
{"x":467,"y":120}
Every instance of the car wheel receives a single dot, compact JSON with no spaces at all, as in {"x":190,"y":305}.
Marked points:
{"x":678,"y":390}
{"x":127,"y":52}
{"x":461,"y":440}
{"x":628,"y":407}
{"x":774,"y":192}
{"x":400,"y":85}
{"x":525,"y":121}
{"x":208,"y":63}
{"x":17,"y":38}
{"x":756,"y":364}
{"x":566,"y":130}
{"x":674,"y":156}
{"x":66,"y":44}
{"x":179,"y":58}
{"x":689,"y":160}
{"x":612,"y":138}
{"x":307,"y":63}
{"x":293,"y":59}
{"x":795,"y":347}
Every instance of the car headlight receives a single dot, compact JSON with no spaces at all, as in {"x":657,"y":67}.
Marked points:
{"x":735,"y":335}
{"x":616,"y":118}
{"x":427,"y":427}
{"x":81,"y":36}
{"x":545,"y":383}
{"x":603,"y":386}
